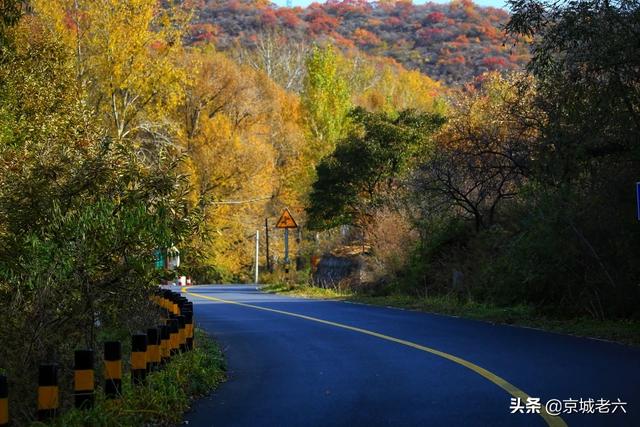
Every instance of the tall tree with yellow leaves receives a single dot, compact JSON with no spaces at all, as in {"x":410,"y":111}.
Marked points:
{"x":124,"y":53}
{"x":245,"y":148}
{"x":326,"y":98}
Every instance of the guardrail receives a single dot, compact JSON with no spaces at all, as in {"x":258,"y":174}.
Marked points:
{"x":150,"y":351}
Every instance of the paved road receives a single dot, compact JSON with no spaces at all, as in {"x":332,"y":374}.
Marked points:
{"x":299,"y":362}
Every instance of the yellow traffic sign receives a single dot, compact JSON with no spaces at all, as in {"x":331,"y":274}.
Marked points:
{"x":286,"y":220}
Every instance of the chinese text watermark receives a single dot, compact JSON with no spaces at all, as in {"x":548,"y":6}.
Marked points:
{"x":533,"y":405}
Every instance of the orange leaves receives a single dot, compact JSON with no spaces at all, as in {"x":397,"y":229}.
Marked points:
{"x":321,"y":23}
{"x":245,"y":144}
{"x":289,"y":18}
{"x":268,"y":18}
{"x":365,"y":38}
{"x":386,"y":86}
{"x":435,"y":17}
{"x":204,"y":33}
{"x":495,"y":62}
{"x":414,"y":34}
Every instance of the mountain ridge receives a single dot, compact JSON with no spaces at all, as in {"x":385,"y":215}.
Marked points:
{"x":453,"y":43}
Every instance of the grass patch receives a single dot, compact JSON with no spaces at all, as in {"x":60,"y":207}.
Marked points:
{"x":164,"y":399}
{"x":624,"y":331}
{"x":307,"y":291}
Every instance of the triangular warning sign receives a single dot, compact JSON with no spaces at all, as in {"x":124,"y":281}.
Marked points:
{"x":286,"y":220}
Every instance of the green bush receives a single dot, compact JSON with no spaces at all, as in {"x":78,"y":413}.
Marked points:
{"x":565,"y":253}
{"x":440,"y":250}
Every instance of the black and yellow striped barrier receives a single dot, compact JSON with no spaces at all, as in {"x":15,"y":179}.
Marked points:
{"x":185,"y":309}
{"x":148,"y":352}
{"x":181,"y":301}
{"x":153,"y":349}
{"x":174,"y":343}
{"x":164,"y":344}
{"x":182,"y":334}
{"x":48,"y":392}
{"x":4,"y":401}
{"x":166,"y":303}
{"x":83,"y":379}
{"x":138,"y":358}
{"x":186,"y":305}
{"x":112,"y":369}
{"x":189,"y":328}
{"x":174,"y":304}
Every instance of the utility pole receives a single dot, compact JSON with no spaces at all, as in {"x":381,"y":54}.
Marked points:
{"x":257,"y":255}
{"x":266,"y":235}
{"x":286,"y":250}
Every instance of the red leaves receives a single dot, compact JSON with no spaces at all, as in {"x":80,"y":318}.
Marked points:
{"x":495,"y":62}
{"x":426,"y":36}
{"x":435,"y":17}
{"x":365,"y":38}
{"x":268,"y":18}
{"x":321,"y":23}
{"x":430,"y":34}
{"x":289,"y":18}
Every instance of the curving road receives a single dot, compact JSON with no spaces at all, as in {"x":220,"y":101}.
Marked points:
{"x":300,"y":362}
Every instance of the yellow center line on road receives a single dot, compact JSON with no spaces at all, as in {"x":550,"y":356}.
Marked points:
{"x":551,"y":420}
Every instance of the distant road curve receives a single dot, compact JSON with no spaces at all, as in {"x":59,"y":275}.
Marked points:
{"x":300,"y":362}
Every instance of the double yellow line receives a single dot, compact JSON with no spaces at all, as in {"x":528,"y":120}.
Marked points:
{"x":552,"y":421}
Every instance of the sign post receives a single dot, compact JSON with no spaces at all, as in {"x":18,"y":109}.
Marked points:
{"x":266,"y":236}
{"x":286,"y":221}
{"x":257,"y":256}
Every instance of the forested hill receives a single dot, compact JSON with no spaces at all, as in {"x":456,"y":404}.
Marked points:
{"x":450,"y":42}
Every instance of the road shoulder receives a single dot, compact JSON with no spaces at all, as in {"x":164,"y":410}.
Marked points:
{"x":619,"y":331}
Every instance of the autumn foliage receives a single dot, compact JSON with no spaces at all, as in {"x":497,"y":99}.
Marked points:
{"x":449,"y":42}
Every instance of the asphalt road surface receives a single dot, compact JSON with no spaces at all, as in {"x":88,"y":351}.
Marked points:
{"x":301,"y":362}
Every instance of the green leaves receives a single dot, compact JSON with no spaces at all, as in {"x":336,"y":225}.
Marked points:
{"x":586,"y":61}
{"x":326,"y":99}
{"x":80,"y":213}
{"x":360,"y":172}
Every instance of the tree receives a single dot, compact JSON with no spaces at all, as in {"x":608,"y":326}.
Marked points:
{"x":483,"y":154}
{"x":326,"y":99}
{"x":213,"y":87}
{"x":81,"y":214}
{"x":280,"y":58}
{"x":124,"y":55}
{"x":246,"y":155}
{"x":10,"y":13}
{"x":389,"y":87}
{"x":586,"y":64}
{"x":586,"y":58}
{"x":355,"y":178}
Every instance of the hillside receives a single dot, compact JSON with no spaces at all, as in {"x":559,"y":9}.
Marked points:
{"x":449,"y":42}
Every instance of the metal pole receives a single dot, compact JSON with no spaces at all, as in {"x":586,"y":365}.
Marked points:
{"x":257,"y":255}
{"x":286,"y":246}
{"x":266,"y":234}
{"x":286,"y":250}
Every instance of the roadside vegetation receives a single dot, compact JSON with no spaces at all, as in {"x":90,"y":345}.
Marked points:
{"x":623,"y":331}
{"x":520,"y":200}
{"x":508,"y":197}
{"x":91,"y":186}
{"x":165,"y":397}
